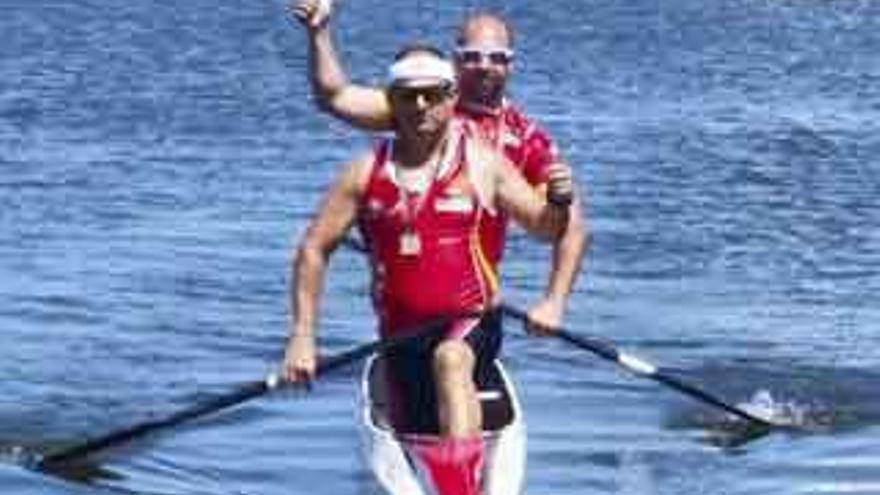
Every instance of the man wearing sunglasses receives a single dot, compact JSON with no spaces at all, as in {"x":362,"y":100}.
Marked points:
{"x":483,"y":63}
{"x":418,"y":198}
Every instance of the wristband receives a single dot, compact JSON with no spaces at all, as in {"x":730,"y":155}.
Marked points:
{"x":563,"y":201}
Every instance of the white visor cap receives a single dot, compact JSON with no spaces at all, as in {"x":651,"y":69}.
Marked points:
{"x":420,"y":70}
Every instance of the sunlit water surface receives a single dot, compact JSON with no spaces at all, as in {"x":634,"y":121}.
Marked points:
{"x":159,"y":159}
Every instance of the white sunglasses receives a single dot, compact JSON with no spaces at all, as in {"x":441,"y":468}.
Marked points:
{"x":495,"y":56}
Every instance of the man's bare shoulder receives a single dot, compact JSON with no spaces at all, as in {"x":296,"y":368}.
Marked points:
{"x":356,"y":172}
{"x":484,"y":155}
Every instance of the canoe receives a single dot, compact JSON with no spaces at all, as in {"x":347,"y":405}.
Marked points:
{"x":392,"y":459}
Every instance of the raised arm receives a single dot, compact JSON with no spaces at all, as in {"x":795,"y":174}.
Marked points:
{"x":335,"y":216}
{"x":364,"y":107}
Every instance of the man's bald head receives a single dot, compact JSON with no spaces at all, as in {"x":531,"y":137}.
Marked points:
{"x":485,"y":29}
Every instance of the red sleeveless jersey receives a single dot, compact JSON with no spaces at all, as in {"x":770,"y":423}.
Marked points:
{"x":443,"y":271}
{"x":526,"y":145}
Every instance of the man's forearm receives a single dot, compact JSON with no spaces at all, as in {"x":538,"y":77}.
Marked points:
{"x":328,"y":76}
{"x":364,"y":107}
{"x":568,"y":253}
{"x":552,"y":222}
{"x":306,"y":286}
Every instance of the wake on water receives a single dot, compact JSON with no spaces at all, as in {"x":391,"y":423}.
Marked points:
{"x":84,"y":470}
{"x":788,"y":416}
{"x":781,"y":412}
{"x":802,"y":400}
{"x":16,"y":454}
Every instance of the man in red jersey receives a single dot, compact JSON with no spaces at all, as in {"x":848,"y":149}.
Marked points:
{"x":483,"y":62}
{"x":418,"y":199}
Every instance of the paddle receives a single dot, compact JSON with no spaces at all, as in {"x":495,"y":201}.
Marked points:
{"x":639,"y":367}
{"x":239,"y":395}
{"x":636,"y":365}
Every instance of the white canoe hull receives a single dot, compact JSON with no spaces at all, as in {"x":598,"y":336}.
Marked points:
{"x":504,"y":437}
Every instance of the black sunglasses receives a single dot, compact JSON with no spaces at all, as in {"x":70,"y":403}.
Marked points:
{"x":431,"y":94}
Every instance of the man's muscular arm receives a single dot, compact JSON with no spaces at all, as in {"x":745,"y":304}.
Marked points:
{"x":364,"y":107}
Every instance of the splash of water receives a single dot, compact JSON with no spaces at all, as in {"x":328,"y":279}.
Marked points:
{"x":790,"y":413}
{"x":786,"y":413}
{"x":18,"y":455}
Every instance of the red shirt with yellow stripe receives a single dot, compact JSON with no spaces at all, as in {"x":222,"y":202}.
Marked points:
{"x":528,"y":147}
{"x":426,"y":247}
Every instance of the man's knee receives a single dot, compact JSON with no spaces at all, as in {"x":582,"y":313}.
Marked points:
{"x":453,"y":358}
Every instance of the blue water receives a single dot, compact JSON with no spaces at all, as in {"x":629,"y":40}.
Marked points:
{"x":159,"y":159}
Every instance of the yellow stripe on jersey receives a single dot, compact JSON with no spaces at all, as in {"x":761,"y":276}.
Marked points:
{"x":484,"y":267}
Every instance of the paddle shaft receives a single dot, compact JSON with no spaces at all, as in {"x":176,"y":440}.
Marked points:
{"x":607,"y":350}
{"x":639,"y":367}
{"x":243,"y":393}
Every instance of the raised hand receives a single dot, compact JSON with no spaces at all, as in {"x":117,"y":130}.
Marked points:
{"x":313,"y":14}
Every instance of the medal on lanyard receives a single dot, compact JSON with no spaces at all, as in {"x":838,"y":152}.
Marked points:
{"x":410,"y":244}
